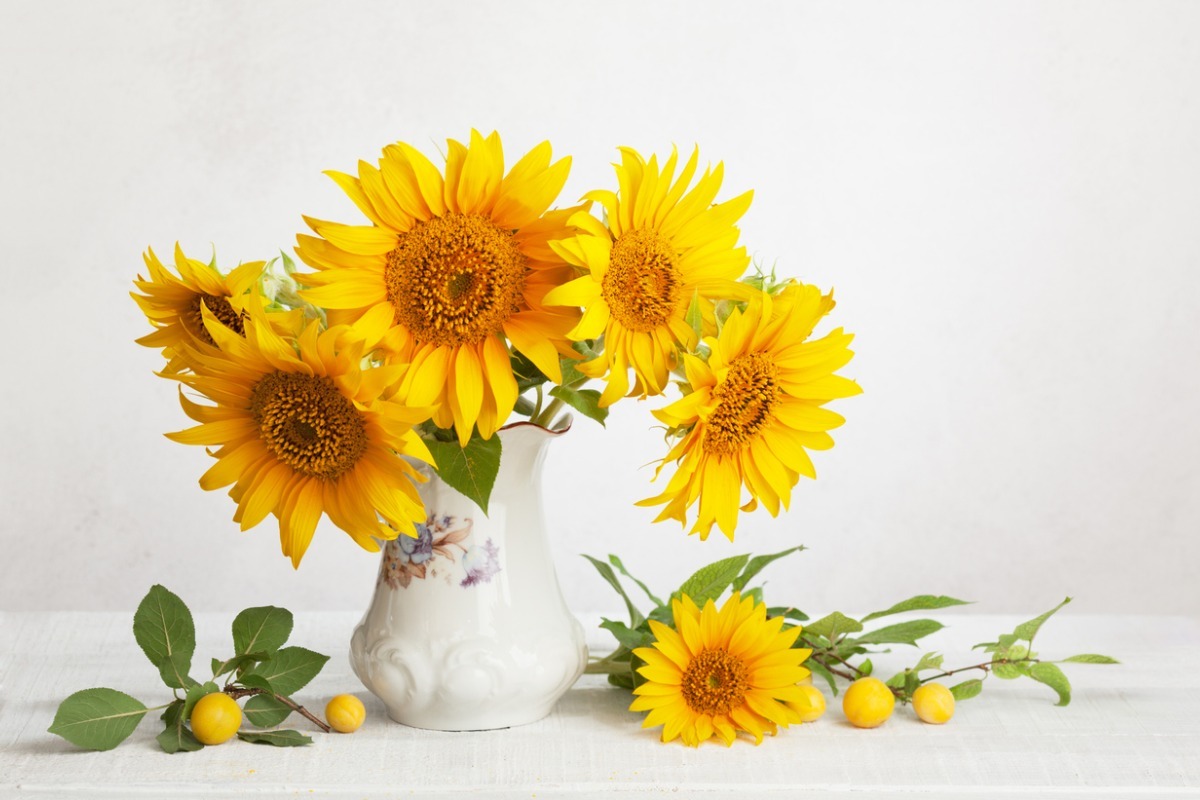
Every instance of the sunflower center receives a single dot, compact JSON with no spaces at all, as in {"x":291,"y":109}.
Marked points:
{"x":455,"y":279}
{"x":308,"y":424}
{"x":220,"y":308}
{"x":715,"y":682}
{"x":743,"y":404}
{"x":643,"y":282}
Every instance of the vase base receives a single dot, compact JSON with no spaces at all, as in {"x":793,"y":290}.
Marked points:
{"x":496,"y":723}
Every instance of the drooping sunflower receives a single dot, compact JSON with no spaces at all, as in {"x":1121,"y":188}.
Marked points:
{"x":755,"y":409}
{"x":301,"y":429}
{"x":173,"y":304}
{"x":720,"y":671}
{"x":451,"y":265}
{"x":664,"y":248}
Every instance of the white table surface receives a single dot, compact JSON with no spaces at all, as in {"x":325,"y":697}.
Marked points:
{"x":1131,"y":731}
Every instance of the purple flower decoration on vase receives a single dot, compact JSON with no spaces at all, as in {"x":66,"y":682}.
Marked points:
{"x":481,"y":563}
{"x":418,"y":550}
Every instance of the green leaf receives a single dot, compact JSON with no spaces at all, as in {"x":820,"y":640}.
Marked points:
{"x":174,"y":671}
{"x":606,"y":572}
{"x":97,"y":719}
{"x":289,"y":670}
{"x":1027,"y":630}
{"x":585,"y":401}
{"x":220,"y":667}
{"x":967,"y":689}
{"x":571,"y":376}
{"x":818,"y":669}
{"x":470,"y":470}
{"x":1090,"y":658}
{"x":866,"y":667}
{"x":628,"y":637}
{"x":756,"y":564}
{"x":912,"y":682}
{"x":176,"y":736}
{"x":928,"y":661}
{"x":252,"y":680}
{"x":263,"y":629}
{"x":897,"y":680}
{"x":622,"y":680}
{"x":1052,"y":676}
{"x":265,"y":711}
{"x":832,"y":625}
{"x":1009,"y":672}
{"x":164,"y":630}
{"x":709,"y":582}
{"x":276,"y":738}
{"x":616,"y":562}
{"x":902,"y":633}
{"x":525,"y":371}
{"x":694,"y":318}
{"x":787,"y":612}
{"x":194,"y":694}
{"x":922,"y":602}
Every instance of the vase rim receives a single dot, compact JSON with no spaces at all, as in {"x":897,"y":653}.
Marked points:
{"x":514,"y":425}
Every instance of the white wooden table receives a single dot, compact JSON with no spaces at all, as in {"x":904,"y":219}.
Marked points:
{"x":1132,"y":731}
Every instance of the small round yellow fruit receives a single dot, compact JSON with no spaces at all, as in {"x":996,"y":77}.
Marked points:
{"x":811,"y":706}
{"x":216,"y":718}
{"x":933,"y":703}
{"x":868,"y":703}
{"x":345,"y":713}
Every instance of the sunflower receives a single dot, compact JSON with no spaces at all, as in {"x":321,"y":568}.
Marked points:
{"x":302,"y":429}
{"x":718,"y":672}
{"x":452,"y":266}
{"x":173,"y":304}
{"x":662,"y":251}
{"x":755,"y":409}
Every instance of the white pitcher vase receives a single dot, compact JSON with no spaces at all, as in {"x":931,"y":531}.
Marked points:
{"x":467,"y":629}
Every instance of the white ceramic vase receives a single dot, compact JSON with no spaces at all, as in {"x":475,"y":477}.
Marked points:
{"x":467,"y":629}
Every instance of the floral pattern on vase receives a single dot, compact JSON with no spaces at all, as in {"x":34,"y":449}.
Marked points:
{"x":441,"y":546}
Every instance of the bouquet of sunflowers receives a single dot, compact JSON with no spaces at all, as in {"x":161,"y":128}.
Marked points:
{"x":467,"y":299}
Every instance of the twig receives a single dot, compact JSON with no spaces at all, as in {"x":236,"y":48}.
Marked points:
{"x":236,"y":691}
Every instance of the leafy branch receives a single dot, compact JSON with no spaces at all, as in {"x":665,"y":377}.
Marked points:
{"x":841,"y":645}
{"x":261,"y":669}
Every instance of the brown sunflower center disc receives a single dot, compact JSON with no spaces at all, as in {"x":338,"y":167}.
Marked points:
{"x":744,"y":401}
{"x":714,"y":682}
{"x":308,"y":424}
{"x":642,"y":283}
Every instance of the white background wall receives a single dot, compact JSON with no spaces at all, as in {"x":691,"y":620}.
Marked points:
{"x":1006,"y":197}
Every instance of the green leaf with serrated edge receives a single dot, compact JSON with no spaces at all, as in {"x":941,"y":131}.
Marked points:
{"x":928,"y":661}
{"x":253,"y":680}
{"x":901,"y":633}
{"x":922,"y":602}
{"x":866,"y":667}
{"x":967,"y":689}
{"x":220,"y":667}
{"x":616,"y":562}
{"x":606,"y":572}
{"x":163,"y":628}
{"x":709,"y":582}
{"x":289,"y":670}
{"x":897,"y":680}
{"x":1009,"y":672}
{"x":787,"y":612}
{"x":756,"y":564}
{"x":194,"y":694}
{"x":694,"y":318}
{"x":1052,"y":676}
{"x":818,"y":669}
{"x":627,"y":636}
{"x":1027,"y":630}
{"x":471,"y":470}
{"x":176,"y":736}
{"x":1090,"y":658}
{"x":265,"y":711}
{"x":832,"y":625}
{"x":571,"y":376}
{"x":263,"y":629}
{"x":97,"y":719}
{"x":276,"y":738}
{"x":585,"y":401}
{"x":174,"y":671}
